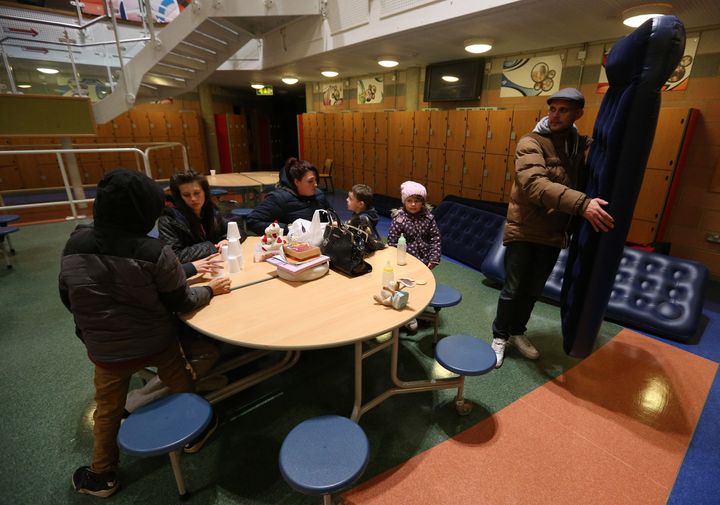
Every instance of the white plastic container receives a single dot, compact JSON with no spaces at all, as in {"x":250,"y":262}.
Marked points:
{"x":402,"y":250}
{"x":388,"y":275}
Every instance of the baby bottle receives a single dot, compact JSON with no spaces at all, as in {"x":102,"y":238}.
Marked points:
{"x":388,"y":274}
{"x":401,"y":250}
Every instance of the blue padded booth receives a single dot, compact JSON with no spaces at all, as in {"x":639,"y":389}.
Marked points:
{"x":637,"y":67}
{"x":659,"y":294}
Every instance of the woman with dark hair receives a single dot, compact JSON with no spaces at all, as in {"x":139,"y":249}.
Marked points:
{"x":296,"y":196}
{"x":193,"y":227}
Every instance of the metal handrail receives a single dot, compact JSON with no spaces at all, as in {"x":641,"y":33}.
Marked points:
{"x":72,"y":201}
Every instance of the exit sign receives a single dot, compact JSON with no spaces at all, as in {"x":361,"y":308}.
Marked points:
{"x":267,"y":90}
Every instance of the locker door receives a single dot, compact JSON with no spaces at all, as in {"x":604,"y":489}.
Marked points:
{"x":454,"y":163}
{"x":457,"y":120}
{"x":493,"y":185}
{"x":420,"y":165}
{"x":421,"y":132}
{"x":436,"y":165}
{"x":523,"y":122}
{"x":472,"y":178}
{"x":498,"y":134}
{"x":438,"y":129}
{"x":476,"y":131}
{"x":381,"y":127}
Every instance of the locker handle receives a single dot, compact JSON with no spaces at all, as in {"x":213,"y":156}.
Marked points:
{"x":485,"y":173}
{"x":489,"y":133}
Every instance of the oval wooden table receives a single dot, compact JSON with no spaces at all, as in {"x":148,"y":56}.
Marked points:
{"x":332,"y":311}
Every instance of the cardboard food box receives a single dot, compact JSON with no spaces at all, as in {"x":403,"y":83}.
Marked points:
{"x":301,"y":250}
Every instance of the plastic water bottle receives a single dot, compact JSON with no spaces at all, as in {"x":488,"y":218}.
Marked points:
{"x":388,"y":275}
{"x":401,"y":250}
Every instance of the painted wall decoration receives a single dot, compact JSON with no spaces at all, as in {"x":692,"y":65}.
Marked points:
{"x":332,"y":93}
{"x":163,"y":11}
{"x":531,"y":76}
{"x":678,"y":80}
{"x":370,"y":90}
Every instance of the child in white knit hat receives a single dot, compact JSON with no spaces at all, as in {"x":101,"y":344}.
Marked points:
{"x":415,"y":222}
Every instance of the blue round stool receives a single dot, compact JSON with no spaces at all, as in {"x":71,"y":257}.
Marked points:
{"x":218,"y":191}
{"x":5,"y":232}
{"x":164,"y":427}
{"x":242,"y":213}
{"x":465,"y":355}
{"x":4,"y":220}
{"x":324,"y":455}
{"x":444,"y":296}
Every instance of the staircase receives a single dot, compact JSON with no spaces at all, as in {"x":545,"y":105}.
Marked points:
{"x":187,"y":50}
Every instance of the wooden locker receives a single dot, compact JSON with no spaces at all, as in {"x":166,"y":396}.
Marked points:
{"x":368,"y":127}
{"x":174,"y":126}
{"x":140,"y":126}
{"x":310,"y":125}
{"x":358,"y":160}
{"x":381,"y":127}
{"x":420,"y":165}
{"x":320,"y":126}
{"x":347,"y":126}
{"x":473,"y":169}
{"x":509,"y":178}
{"x":368,"y":157}
{"x":330,"y":126}
{"x":105,"y":129}
{"x":366,"y":177}
{"x":347,"y":150}
{"x":157,"y":126}
{"x":668,"y":137}
{"x":381,"y":182}
{"x":498,"y":133}
{"x":381,"y":156}
{"x":438,"y":129}
{"x":357,"y":126}
{"x":586,"y":123}
{"x":451,"y":189}
{"x":421,"y":131}
{"x":122,"y":127}
{"x":468,"y":192}
{"x":523,"y":122}
{"x":454,"y":163}
{"x":436,"y":165}
{"x":400,"y":128}
{"x":456,"y":123}
{"x":338,"y":153}
{"x":9,"y":174}
{"x":494,"y":174}
{"x":191,"y":123}
{"x":434,"y":192}
{"x":476,"y":131}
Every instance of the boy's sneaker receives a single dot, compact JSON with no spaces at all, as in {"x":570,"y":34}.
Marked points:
{"x":199,"y":442}
{"x":522,"y":344}
{"x":102,"y":485}
{"x":498,"y":345}
{"x":412,"y":325}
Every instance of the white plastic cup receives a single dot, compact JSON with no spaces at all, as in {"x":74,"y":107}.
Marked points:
{"x":234,"y":249}
{"x":233,"y":265}
{"x":212,"y":173}
{"x":233,"y":232}
{"x":224,"y":252}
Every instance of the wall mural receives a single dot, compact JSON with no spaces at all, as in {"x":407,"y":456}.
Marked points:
{"x":332,"y":93}
{"x":370,"y":90}
{"x":531,"y":76}
{"x":678,"y":80}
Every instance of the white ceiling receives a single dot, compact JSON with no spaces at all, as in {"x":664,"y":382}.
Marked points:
{"x":520,"y":27}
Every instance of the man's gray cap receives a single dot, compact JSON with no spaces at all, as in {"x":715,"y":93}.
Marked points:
{"x":571,"y":94}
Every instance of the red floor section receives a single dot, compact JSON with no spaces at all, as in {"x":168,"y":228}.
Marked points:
{"x":612,"y":430}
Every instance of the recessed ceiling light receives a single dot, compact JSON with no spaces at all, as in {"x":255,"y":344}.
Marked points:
{"x":257,"y":86}
{"x":290,"y":80}
{"x":477,"y":46}
{"x":635,"y":16}
{"x":450,"y":78}
{"x":388,"y":61}
{"x":329,"y":73}
{"x":43,"y":70}
{"x":24,"y":86}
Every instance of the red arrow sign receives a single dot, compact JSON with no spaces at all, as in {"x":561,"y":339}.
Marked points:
{"x":27,"y":31}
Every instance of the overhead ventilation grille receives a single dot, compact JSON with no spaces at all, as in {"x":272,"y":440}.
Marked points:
{"x":390,"y":7}
{"x":347,"y":14}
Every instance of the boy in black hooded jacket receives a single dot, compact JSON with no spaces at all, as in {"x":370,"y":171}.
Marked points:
{"x":123,"y":289}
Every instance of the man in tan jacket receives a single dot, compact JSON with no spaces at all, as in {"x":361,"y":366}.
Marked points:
{"x":549,"y":167}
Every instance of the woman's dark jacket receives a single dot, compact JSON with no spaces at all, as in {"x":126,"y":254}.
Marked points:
{"x":174,"y":229}
{"x":284,"y":205}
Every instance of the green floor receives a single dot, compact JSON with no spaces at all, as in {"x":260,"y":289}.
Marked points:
{"x":47,"y":395}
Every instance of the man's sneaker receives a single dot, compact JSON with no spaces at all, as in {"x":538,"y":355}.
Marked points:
{"x":102,"y":485}
{"x":498,"y":345}
{"x":197,"y":444}
{"x":412,"y":325}
{"x":522,"y":344}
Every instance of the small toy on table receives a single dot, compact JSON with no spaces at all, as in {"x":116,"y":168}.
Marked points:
{"x":393,"y":296}
{"x":271,"y":243}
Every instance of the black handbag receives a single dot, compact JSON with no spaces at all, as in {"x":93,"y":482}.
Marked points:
{"x":345,"y":246}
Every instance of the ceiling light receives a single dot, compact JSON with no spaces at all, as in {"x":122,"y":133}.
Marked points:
{"x":47,"y":70}
{"x":288,"y":79}
{"x":450,"y":78}
{"x":329,"y":73}
{"x":477,"y":46}
{"x":24,"y":86}
{"x":635,"y":16}
{"x":387,"y":62}
{"x":257,"y":86}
